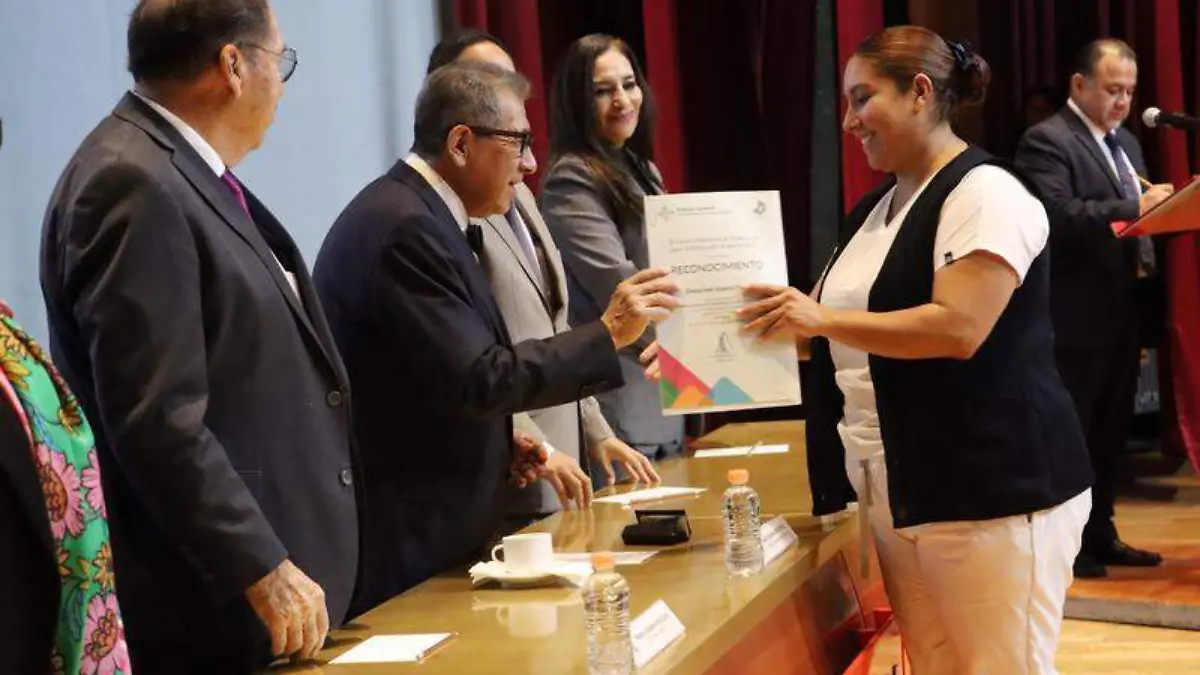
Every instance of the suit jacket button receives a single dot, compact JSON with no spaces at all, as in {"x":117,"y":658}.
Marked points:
{"x":334,"y":398}
{"x":346,"y":477}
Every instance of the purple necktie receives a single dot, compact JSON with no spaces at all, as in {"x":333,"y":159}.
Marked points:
{"x":237,"y":190}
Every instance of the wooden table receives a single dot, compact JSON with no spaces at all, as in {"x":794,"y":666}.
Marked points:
{"x":800,"y":615}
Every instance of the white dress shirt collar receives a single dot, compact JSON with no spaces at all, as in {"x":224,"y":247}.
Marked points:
{"x":193,"y":137}
{"x":1096,"y":130}
{"x":440,"y":186}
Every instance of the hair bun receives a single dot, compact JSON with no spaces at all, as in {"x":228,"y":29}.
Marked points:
{"x":972,"y":73}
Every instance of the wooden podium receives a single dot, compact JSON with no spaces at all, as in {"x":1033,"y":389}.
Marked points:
{"x":1178,"y":213}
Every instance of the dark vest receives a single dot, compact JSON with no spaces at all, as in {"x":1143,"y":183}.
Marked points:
{"x":992,"y":436}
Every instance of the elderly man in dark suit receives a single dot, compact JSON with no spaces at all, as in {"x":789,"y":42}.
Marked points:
{"x":436,"y":373}
{"x":182,"y":314}
{"x":525,"y":272}
{"x":1088,"y":170}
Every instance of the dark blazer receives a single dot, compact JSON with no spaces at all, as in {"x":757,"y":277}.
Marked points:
{"x":436,"y":378}
{"x":219,"y":402}
{"x":29,"y":581}
{"x":1094,"y":273}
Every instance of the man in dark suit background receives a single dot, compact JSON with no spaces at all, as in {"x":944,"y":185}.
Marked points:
{"x":1087,"y":168}
{"x":435,"y":372}
{"x":181,"y":313}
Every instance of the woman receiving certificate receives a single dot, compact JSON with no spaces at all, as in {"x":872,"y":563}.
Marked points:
{"x":933,"y":387}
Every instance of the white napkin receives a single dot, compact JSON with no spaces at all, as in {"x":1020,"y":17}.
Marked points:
{"x":572,"y":572}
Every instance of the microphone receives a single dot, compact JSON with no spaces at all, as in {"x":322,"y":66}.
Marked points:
{"x":1153,"y":117}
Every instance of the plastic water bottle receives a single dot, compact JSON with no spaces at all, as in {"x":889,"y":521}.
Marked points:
{"x":743,"y":539}
{"x":606,"y":600}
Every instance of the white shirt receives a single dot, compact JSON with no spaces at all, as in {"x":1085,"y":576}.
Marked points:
{"x":440,"y":186}
{"x":1099,"y":134}
{"x":213,"y":159}
{"x":989,"y":210}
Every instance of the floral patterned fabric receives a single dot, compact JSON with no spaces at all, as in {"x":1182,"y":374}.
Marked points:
{"x":90,"y":639}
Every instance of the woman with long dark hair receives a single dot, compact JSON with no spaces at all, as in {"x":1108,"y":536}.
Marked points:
{"x":601,"y":125}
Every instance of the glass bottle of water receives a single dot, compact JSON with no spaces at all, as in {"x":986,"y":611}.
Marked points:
{"x":743,"y":539}
{"x":606,"y":600}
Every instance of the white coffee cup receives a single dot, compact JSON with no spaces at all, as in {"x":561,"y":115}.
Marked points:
{"x":529,"y":620}
{"x":533,"y":551}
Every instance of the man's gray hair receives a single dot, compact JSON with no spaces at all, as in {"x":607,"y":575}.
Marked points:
{"x":462,"y":92}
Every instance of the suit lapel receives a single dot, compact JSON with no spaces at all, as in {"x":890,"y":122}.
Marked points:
{"x":312,"y":319}
{"x":538,"y":229}
{"x":504,"y":230}
{"x":223,"y":202}
{"x":477,"y":283}
{"x":1083,"y":135}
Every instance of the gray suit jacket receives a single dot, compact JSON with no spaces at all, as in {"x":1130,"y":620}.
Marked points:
{"x":600,"y":248}
{"x":532,"y":312}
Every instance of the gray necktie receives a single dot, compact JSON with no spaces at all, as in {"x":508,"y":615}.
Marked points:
{"x":1130,"y":188}
{"x":522,"y":231}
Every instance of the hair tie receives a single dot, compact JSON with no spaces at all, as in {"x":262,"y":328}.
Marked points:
{"x":961,"y":51}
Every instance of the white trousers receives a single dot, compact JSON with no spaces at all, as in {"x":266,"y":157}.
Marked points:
{"x":977,"y":597}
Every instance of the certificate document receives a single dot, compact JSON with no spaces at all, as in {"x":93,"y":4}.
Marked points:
{"x":714,"y":243}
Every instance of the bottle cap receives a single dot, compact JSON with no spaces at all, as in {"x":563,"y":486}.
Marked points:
{"x":739,"y":476}
{"x":603,"y":560}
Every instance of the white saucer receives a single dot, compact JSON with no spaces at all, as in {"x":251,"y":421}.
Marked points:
{"x":518,"y":578}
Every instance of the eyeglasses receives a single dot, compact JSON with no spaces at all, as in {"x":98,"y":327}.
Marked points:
{"x":524,"y":139}
{"x":287,"y":59}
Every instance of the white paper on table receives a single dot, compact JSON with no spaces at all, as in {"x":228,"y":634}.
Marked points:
{"x":621,"y":557}
{"x":742,"y":450}
{"x":649,"y":495}
{"x":652,"y":631}
{"x":715,"y":243}
{"x":394,"y":649}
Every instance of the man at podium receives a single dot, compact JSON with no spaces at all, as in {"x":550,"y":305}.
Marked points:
{"x":1088,"y":169}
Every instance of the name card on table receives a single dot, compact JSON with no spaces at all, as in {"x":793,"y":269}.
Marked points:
{"x":777,"y":537}
{"x":652,"y":631}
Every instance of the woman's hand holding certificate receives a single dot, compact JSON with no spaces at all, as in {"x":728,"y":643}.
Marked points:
{"x":717,"y":245}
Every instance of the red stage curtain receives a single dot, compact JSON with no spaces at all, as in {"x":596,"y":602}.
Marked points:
{"x":517,"y":25}
{"x":1163,"y":31}
{"x":856,"y":20}
{"x":663,"y":72}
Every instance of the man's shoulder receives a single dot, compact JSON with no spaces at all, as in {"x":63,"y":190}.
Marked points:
{"x":1055,"y":128}
{"x":393,"y":211}
{"x":116,"y":148}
